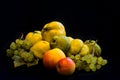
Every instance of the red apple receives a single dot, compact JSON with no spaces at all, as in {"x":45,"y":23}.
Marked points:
{"x":65,"y":66}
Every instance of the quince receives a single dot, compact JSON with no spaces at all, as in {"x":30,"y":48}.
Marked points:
{"x":52,"y":29}
{"x":33,"y":37}
{"x":40,"y":48}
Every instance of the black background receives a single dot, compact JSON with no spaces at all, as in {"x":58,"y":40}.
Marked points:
{"x":82,"y":19}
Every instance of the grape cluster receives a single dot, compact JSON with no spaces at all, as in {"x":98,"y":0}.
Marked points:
{"x":88,"y":62}
{"x":91,"y":61}
{"x":19,"y":51}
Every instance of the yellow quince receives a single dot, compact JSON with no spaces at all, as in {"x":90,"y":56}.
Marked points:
{"x":54,"y":28}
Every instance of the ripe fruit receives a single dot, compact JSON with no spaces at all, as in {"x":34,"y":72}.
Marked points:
{"x":94,"y":48}
{"x":52,"y":29}
{"x":70,"y":38}
{"x":75,"y":46}
{"x":84,"y":50}
{"x":61,"y":42}
{"x":51,"y":57}
{"x":65,"y":66}
{"x":40,"y":48}
{"x":33,"y":37}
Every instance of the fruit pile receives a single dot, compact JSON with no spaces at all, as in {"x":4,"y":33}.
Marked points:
{"x":56,"y":50}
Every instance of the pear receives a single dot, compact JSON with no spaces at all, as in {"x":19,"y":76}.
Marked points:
{"x":75,"y":46}
{"x":94,"y":47}
{"x":61,"y":42}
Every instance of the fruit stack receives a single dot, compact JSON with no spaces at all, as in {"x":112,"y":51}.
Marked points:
{"x":56,"y":50}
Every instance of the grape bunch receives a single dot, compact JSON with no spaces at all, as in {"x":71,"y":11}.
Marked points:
{"x":91,"y":61}
{"x":19,"y":51}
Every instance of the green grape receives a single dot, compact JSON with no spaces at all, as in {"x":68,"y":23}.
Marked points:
{"x":30,"y":58}
{"x":16,"y":52}
{"x":94,"y":60}
{"x":88,"y":61}
{"x":13,"y":46}
{"x":100,"y":60}
{"x":104,"y":62}
{"x":9,"y":52}
{"x":77,"y":57}
{"x":17,"y":58}
{"x":33,"y":63}
{"x":24,"y":55}
{"x":98,"y":66}
{"x":72,"y":57}
{"x":79,"y":65}
{"x":26,"y":44}
{"x":83,"y":59}
{"x":92,"y":66}
{"x":87,"y":69}
{"x":19,"y":42}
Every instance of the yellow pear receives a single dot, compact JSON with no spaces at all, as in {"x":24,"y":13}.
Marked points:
{"x":84,"y":50}
{"x":54,"y":28}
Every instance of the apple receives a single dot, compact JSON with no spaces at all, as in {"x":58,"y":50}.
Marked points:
{"x":51,"y":57}
{"x":65,"y":66}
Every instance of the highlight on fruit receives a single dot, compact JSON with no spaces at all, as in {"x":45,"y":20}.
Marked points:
{"x":56,"y":50}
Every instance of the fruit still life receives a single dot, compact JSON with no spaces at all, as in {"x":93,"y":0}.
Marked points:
{"x":56,"y":50}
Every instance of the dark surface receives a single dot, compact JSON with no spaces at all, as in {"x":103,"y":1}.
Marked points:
{"x":84,"y":20}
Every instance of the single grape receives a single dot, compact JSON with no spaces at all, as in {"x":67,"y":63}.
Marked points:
{"x":77,"y":56}
{"x":83,"y":59}
{"x":94,"y":60}
{"x":100,"y":60}
{"x":88,"y":61}
{"x":9,"y":52}
{"x":87,"y":69}
{"x":72,"y":57}
{"x":98,"y":66}
{"x":91,"y":66}
{"x":104,"y":62}
{"x":93,"y":69}
{"x":16,"y":52}
{"x":13,"y":46}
